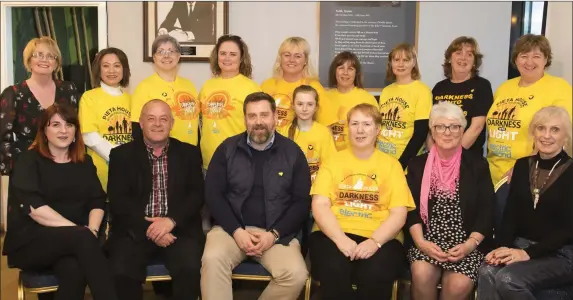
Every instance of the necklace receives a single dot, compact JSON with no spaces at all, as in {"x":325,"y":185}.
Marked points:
{"x":537,"y":190}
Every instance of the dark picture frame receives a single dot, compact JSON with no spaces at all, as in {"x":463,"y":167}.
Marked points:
{"x":195,"y":24}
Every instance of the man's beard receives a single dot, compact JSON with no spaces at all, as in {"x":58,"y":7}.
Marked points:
{"x":260,"y":138}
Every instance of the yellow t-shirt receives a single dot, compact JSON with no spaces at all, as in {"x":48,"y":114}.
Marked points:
{"x":362,"y":192}
{"x":400,"y":106}
{"x":181,"y":96}
{"x":282,"y":91}
{"x":346,"y":101}
{"x":222,"y":108}
{"x":317,"y":145}
{"x":110,"y":117}
{"x":510,"y":115}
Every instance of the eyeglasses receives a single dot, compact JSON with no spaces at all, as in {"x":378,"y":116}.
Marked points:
{"x":166,"y":52}
{"x":454,"y":128}
{"x":41,"y":55}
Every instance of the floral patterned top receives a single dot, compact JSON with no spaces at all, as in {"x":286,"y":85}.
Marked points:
{"x":19,"y":115}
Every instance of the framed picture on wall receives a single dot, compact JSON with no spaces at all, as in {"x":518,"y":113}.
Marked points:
{"x":195,"y":24}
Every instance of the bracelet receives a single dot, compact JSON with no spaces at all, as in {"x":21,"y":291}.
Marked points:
{"x":476,"y":240}
{"x":375,"y":242}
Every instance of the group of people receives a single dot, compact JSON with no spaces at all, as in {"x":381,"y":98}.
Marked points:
{"x":386,"y":184}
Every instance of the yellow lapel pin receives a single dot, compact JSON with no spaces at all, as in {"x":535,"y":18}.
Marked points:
{"x":281,"y":173}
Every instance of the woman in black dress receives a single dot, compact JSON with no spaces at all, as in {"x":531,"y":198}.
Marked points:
{"x":454,"y":210}
{"x":22,"y":104}
{"x":55,"y":208}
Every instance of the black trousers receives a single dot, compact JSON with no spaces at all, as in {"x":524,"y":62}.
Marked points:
{"x":76,"y":258}
{"x":129,"y":260}
{"x":373,"y":277}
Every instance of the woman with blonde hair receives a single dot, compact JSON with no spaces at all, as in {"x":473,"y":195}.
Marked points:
{"x":345,"y":79}
{"x":464,"y":87}
{"x":24,"y":102}
{"x":222,"y":96}
{"x":293,"y":67}
{"x":405,"y":106}
{"x":535,"y":241}
{"x":518,"y":99}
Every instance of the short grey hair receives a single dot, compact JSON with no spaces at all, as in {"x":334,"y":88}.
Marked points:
{"x":162,"y":39}
{"x":445,"y":109}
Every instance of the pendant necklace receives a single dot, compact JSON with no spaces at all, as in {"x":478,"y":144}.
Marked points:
{"x":536,"y":190}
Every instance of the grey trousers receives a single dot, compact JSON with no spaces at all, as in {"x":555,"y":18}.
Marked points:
{"x":518,"y":281}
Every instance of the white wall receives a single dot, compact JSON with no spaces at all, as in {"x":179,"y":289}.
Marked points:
{"x":263,"y":25}
{"x":560,"y":34}
{"x":441,"y":22}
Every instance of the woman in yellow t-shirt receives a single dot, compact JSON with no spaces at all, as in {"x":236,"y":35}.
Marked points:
{"x":166,"y":85}
{"x":360,"y":202}
{"x":222,"y":97}
{"x":293,"y":67}
{"x":345,"y":79}
{"x":404,"y":105}
{"x":312,"y":137}
{"x":517,"y":100}
{"x":105,"y":110}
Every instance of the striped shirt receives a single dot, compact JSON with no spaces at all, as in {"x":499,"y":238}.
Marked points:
{"x":157,"y":206}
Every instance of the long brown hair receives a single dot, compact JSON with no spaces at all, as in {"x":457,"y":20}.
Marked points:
{"x":76,"y":150}
{"x":301,"y":89}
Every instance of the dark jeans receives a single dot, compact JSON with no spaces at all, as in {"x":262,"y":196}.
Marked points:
{"x":76,"y":258}
{"x":373,"y":277}
{"x":518,"y":281}
{"x":129,"y":260}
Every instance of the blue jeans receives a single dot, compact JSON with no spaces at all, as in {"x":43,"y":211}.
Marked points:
{"x":518,"y":281}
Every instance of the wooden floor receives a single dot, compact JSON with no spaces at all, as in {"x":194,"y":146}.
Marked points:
{"x":9,"y":283}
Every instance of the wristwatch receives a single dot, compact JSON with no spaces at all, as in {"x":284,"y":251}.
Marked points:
{"x":275,"y":234}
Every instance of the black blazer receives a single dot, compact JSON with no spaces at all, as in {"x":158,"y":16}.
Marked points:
{"x":477,"y":196}
{"x":200,"y":21}
{"x":130,"y":183}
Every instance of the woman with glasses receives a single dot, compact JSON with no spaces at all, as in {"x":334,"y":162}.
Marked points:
{"x":222,"y":97}
{"x":23,"y":103}
{"x":453,"y":220}
{"x":165,"y":84}
{"x":404,"y":105}
{"x":293,"y":67}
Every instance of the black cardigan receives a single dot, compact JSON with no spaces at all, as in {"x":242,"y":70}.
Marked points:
{"x":551,"y":224}
{"x":477,"y":196}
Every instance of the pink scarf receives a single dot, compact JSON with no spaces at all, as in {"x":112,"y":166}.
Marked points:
{"x":442,"y":173}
